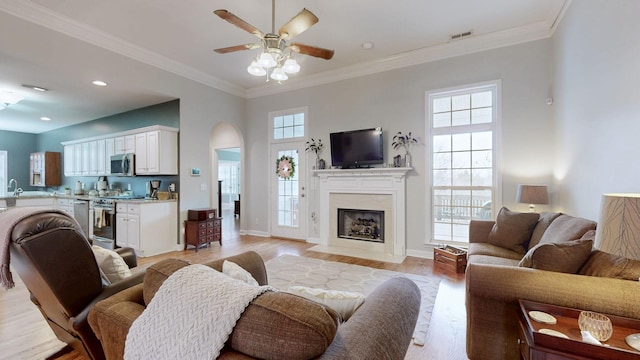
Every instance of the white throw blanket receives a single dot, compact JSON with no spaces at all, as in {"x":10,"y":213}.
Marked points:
{"x":191,"y":316}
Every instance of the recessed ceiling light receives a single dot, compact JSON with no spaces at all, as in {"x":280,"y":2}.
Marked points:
{"x":99,"y":83}
{"x":36,"y":88}
{"x":367,"y":45}
{"x":44,"y":118}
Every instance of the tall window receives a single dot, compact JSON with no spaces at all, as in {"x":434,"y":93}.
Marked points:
{"x":3,"y":173}
{"x":462,"y":124}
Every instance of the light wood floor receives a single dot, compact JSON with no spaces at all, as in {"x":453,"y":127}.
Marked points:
{"x":445,"y":340}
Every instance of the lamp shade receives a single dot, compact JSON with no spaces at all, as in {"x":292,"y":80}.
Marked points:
{"x":618,"y":230}
{"x":532,"y":194}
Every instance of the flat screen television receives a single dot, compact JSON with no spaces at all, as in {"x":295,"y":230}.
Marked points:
{"x":357,"y":148}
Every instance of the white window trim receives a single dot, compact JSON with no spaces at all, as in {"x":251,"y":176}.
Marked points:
{"x":496,"y":127}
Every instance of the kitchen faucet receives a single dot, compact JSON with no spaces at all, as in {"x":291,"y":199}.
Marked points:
{"x":15,"y":186}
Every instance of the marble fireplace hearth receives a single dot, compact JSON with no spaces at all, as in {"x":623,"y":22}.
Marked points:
{"x":376,"y":190}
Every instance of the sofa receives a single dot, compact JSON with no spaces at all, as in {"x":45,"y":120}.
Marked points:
{"x":279,"y":325}
{"x":547,"y":258}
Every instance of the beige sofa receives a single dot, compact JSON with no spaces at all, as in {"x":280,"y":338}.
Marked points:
{"x":278,"y":325}
{"x":562,"y":270}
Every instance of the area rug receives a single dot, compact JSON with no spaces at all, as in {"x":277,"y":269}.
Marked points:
{"x":288,"y":270}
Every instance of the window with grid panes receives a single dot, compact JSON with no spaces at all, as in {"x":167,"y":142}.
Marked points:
{"x":462,"y":125}
{"x":288,"y":126}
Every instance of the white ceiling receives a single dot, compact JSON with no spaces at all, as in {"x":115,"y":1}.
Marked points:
{"x":41,"y":40}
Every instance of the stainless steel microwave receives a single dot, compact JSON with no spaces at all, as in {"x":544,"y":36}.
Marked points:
{"x":123,"y":165}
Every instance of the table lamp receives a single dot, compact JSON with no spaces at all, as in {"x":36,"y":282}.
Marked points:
{"x":618,"y":230}
{"x":532,"y":194}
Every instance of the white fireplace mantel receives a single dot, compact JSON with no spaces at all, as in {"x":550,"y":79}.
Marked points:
{"x":354,"y":184}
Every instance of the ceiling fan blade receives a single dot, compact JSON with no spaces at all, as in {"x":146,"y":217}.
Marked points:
{"x":237,"y":48}
{"x":312,"y":51}
{"x":299,"y":23}
{"x":229,"y":17}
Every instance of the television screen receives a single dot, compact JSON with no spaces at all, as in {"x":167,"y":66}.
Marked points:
{"x":357,"y":148}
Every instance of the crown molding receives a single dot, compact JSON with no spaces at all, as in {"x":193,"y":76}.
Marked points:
{"x":43,"y":16}
{"x":40,"y":15}
{"x":454,"y":48}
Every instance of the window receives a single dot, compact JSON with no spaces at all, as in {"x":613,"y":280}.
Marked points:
{"x":3,"y":173}
{"x":288,"y":126}
{"x":462,"y":124}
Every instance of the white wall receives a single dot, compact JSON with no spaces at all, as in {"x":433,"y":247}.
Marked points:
{"x":597,"y":103}
{"x":395,"y":100}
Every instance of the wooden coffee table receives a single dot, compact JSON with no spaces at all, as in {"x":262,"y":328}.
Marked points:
{"x":537,"y":345}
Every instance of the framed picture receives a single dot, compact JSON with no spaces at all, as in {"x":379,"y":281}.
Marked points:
{"x":195,"y":171}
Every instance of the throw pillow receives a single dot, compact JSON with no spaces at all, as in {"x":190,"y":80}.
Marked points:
{"x":546,"y":218}
{"x":237,"y":272}
{"x":603,"y":264}
{"x":566,"y":257}
{"x":512,"y":229}
{"x":344,"y":303}
{"x":279,"y":325}
{"x":566,"y":228}
{"x":111,"y":264}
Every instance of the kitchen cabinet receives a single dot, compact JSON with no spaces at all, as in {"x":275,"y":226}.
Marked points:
{"x":128,"y":225}
{"x":156,"y":149}
{"x":97,"y":161}
{"x":44,"y":168}
{"x":69,"y":164}
{"x":156,"y":153}
{"x":65,"y":205}
{"x":150,"y":228}
{"x":125,"y":144}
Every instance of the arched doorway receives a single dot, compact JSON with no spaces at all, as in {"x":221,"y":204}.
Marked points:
{"x":226,"y":146}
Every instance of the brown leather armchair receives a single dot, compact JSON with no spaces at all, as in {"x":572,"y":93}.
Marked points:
{"x":53,"y":258}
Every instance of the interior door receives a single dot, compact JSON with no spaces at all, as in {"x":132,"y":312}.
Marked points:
{"x":288,"y":201}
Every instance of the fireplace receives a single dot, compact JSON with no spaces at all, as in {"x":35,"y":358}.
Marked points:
{"x":360,"y":224}
{"x":380,"y":189}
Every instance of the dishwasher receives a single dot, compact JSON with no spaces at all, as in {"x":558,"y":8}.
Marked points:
{"x":81,"y":214}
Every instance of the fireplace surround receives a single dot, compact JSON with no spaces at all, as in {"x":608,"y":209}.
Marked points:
{"x":375,"y":189}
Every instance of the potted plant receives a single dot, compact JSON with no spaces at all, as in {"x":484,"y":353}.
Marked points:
{"x":401,"y":140}
{"x":316,"y":146}
{"x":67,"y":190}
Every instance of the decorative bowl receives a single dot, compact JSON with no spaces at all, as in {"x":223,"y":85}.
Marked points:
{"x":597,"y":324}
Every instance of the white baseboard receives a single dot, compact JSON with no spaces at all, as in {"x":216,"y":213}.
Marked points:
{"x":313,"y":240}
{"x":425,"y":254}
{"x":255,"y":233}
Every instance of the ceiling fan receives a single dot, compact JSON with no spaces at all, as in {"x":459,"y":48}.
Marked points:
{"x":276,"y":57}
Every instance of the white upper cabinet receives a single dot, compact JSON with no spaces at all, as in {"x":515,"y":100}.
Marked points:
{"x":125,"y":144}
{"x":157,"y":153}
{"x":155,"y":147}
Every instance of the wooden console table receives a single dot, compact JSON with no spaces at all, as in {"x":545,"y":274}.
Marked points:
{"x":536,"y":345}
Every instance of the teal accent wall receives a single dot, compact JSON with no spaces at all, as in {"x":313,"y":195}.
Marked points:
{"x":18,"y":146}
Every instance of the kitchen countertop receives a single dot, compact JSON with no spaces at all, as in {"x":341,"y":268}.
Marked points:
{"x":86,"y":197}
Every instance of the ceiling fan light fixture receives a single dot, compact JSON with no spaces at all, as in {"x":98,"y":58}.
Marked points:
{"x":256,"y":70}
{"x":278,"y":74}
{"x":267,"y":61}
{"x":291,"y":66}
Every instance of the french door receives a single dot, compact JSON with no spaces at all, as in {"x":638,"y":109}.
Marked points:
{"x":288,"y":201}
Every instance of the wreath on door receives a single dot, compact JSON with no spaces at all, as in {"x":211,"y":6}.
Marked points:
{"x":285,"y":167}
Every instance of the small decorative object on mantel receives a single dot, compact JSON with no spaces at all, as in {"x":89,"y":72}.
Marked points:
{"x":404,"y":141}
{"x":316,"y":146}
{"x":285,"y":167}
